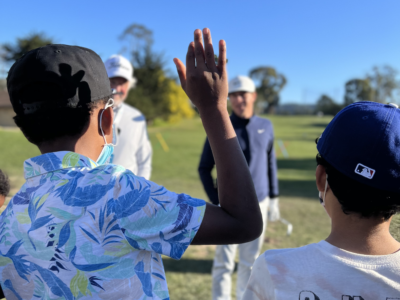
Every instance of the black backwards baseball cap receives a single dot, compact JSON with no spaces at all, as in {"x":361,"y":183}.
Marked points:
{"x":77,"y":74}
{"x":363,"y":142}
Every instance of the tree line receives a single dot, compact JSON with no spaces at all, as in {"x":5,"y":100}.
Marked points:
{"x":379,"y":85}
{"x":157,"y":93}
{"x":159,"y":96}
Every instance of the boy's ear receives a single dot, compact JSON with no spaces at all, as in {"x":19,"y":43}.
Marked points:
{"x":320,"y":176}
{"x":107,"y":121}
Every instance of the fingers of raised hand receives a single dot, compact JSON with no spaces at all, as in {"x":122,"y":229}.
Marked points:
{"x":198,"y":49}
{"x":181,"y":72}
{"x":209,"y":50}
{"x":222,"y":57}
{"x":190,"y":58}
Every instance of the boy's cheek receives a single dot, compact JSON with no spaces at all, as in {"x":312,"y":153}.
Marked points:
{"x":2,"y":200}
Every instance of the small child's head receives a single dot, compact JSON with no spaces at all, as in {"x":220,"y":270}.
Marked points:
{"x":359,"y":152}
{"x":54,"y":91}
{"x":4,"y":187}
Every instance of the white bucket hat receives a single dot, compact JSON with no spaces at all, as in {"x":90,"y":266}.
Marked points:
{"x":119,"y":66}
{"x":241,"y":84}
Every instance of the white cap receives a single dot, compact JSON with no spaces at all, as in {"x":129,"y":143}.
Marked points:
{"x":241,"y":84}
{"x":119,"y":66}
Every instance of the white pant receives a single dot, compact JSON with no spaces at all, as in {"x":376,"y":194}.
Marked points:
{"x":224,"y":263}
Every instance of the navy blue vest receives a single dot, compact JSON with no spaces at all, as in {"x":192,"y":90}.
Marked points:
{"x":256,"y":138}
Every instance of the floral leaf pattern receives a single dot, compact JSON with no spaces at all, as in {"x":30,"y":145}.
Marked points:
{"x":76,"y":229}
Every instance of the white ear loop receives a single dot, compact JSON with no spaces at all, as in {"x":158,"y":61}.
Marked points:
{"x":326,"y":186}
{"x":110,"y":103}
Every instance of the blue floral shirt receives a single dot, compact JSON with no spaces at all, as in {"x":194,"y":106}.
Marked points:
{"x":77,"y":230}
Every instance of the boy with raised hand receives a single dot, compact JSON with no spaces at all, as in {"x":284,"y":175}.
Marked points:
{"x":358,"y":182}
{"x":82,"y":228}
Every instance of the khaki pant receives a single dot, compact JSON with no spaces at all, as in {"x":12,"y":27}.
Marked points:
{"x":224,"y":263}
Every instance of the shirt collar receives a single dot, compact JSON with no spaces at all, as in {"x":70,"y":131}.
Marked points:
{"x":240,"y":121}
{"x":54,"y":161}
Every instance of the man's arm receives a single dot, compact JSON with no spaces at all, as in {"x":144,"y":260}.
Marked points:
{"x":144,"y":153}
{"x":272,"y":169}
{"x":274,"y":212}
{"x":205,"y":167}
{"x":238,"y":220}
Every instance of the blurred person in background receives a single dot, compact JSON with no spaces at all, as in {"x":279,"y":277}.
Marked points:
{"x":256,"y":138}
{"x":4,"y":187}
{"x":133,"y":149}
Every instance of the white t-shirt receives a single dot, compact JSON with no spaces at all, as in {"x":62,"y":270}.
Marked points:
{"x":133,"y":150}
{"x":324,"y":272}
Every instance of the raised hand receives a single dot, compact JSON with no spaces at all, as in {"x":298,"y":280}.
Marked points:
{"x":205,"y":83}
{"x":238,"y":219}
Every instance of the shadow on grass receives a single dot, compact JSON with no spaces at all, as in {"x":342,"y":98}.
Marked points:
{"x":321,"y":125}
{"x":188,"y":265}
{"x":202,"y":266}
{"x":299,"y":164}
{"x":301,"y":187}
{"x":310,"y":138}
{"x":298,"y":188}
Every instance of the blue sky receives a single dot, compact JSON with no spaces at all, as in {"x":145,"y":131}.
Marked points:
{"x":318,"y":45}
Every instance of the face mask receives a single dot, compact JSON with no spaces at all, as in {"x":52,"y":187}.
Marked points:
{"x":322,"y":200}
{"x":105,"y":156}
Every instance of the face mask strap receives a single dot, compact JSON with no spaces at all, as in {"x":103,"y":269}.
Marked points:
{"x":110,"y":103}
{"x":326,"y":186}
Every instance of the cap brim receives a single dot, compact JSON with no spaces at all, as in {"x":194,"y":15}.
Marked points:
{"x":241,"y":90}
{"x":117,"y":73}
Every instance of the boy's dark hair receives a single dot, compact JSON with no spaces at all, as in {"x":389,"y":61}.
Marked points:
{"x":51,"y":121}
{"x":356,"y":197}
{"x":4,"y":184}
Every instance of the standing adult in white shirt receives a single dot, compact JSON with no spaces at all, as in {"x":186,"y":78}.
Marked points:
{"x":133,"y":150}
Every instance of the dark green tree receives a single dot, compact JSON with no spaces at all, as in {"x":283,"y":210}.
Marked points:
{"x":150,"y":95}
{"x":269,"y":84}
{"x":384,"y":84}
{"x":358,"y":90}
{"x":13,"y":51}
{"x":327,"y":105}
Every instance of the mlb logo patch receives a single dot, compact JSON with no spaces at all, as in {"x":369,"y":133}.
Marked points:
{"x":365,"y":171}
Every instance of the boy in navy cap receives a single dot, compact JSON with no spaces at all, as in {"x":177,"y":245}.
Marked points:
{"x":80,"y":228}
{"x":357,"y":177}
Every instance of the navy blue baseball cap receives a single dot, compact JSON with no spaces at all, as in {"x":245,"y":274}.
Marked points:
{"x":363,"y":142}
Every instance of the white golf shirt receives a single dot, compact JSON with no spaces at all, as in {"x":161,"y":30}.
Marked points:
{"x":133,"y":150}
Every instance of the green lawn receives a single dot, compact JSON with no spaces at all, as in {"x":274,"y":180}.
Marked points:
{"x":176,"y":169}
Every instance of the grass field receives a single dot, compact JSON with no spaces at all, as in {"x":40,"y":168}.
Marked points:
{"x":176,"y":169}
